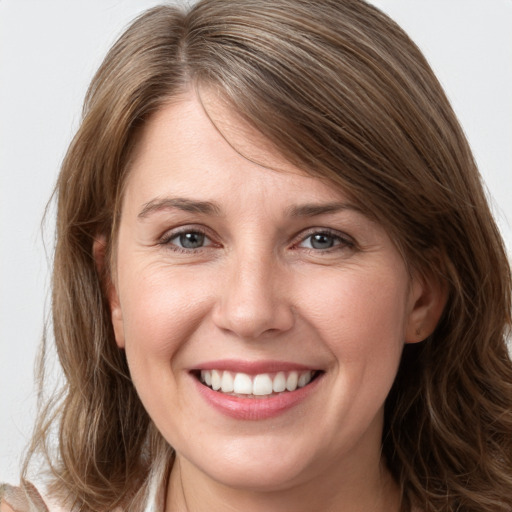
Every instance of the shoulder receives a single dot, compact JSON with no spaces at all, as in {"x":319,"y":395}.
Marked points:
{"x":17,"y":499}
{"x":6,"y":496}
{"x":4,"y":507}
{"x":4,"y":493}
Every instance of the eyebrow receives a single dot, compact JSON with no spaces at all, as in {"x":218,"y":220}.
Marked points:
{"x":210,"y":208}
{"x":181,"y":203}
{"x":314,"y":209}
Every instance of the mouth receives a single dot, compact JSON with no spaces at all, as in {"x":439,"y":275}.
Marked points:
{"x":261,"y":385}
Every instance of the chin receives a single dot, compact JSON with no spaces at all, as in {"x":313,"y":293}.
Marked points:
{"x":258,"y":474}
{"x":262,"y":463}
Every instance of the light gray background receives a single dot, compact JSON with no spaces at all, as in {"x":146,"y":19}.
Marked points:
{"x":48,"y":53}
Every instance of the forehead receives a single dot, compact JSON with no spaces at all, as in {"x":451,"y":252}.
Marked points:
{"x":203,"y":148}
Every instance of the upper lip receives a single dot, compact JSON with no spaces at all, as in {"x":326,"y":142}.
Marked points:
{"x":253,"y":367}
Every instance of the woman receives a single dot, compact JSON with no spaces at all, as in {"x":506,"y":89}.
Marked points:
{"x":277,"y":282}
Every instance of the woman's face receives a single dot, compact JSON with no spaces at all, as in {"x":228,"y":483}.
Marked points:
{"x":270,"y":284}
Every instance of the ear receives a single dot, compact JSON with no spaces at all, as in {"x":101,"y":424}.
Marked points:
{"x":427,"y":300}
{"x":99,"y":250}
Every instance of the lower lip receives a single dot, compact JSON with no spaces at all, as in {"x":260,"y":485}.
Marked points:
{"x":255,"y":408}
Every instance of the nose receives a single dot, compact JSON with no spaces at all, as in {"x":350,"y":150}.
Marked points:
{"x":252,"y":299}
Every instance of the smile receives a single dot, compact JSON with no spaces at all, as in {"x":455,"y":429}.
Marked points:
{"x":255,"y":386}
{"x":257,"y":391}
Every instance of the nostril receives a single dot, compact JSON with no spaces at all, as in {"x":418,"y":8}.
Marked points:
{"x":253,"y":320}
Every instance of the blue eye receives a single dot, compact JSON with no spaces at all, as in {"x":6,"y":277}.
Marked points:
{"x":323,"y":241}
{"x":189,"y":240}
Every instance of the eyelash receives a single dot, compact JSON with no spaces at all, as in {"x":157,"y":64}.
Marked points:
{"x":166,"y":240}
{"x":340,"y":240}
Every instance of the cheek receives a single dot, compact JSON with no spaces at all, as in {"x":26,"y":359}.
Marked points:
{"x":361,"y":319}
{"x":368,"y":306}
{"x":161,"y":310}
{"x":161,"y":313}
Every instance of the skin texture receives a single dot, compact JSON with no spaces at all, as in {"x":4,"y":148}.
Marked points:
{"x":259,"y":290}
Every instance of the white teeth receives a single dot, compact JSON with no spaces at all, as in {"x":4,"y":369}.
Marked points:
{"x":291,"y":381}
{"x":226,"y":383}
{"x":216,"y":380}
{"x":206,"y":377}
{"x":262,"y":385}
{"x":305,"y":378}
{"x":258,"y":385}
{"x":243,"y":384}
{"x":279,"y":384}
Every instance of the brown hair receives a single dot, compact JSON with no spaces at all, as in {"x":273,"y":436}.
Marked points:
{"x":343,"y":93}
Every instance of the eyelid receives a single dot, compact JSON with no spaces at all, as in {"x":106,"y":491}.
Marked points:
{"x":165,"y":239}
{"x":344,"y":239}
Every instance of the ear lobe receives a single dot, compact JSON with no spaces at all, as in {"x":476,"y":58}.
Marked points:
{"x":99,"y":250}
{"x":428,"y":298}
